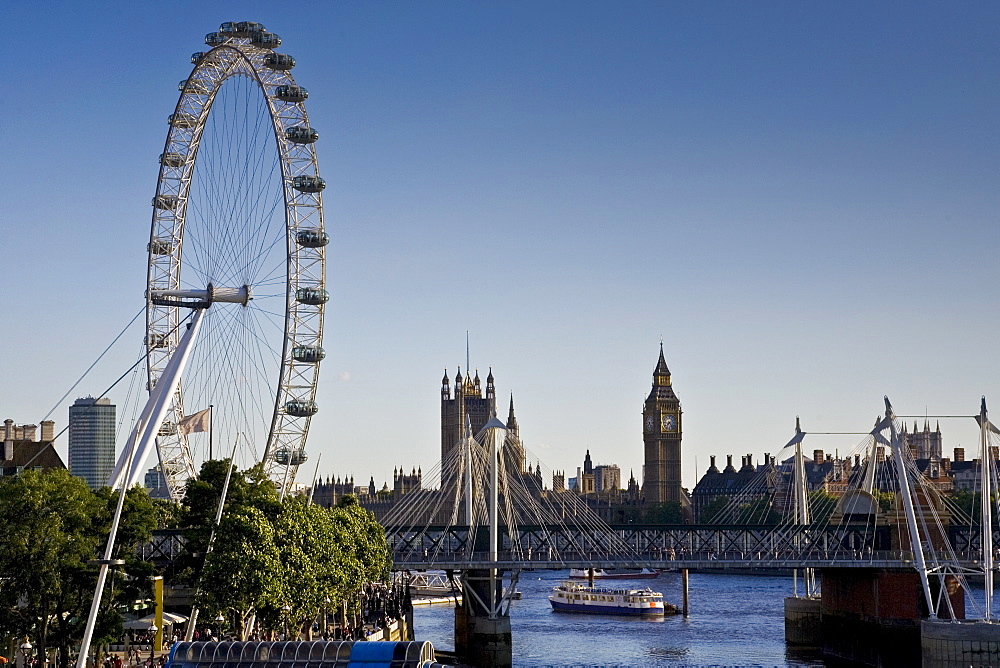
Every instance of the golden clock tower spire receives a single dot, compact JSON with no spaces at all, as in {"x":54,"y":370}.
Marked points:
{"x":661,"y":419}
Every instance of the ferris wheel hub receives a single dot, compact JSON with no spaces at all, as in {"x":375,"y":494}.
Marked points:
{"x":201,"y":298}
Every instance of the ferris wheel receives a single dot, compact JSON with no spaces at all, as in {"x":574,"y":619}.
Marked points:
{"x":237,"y":232}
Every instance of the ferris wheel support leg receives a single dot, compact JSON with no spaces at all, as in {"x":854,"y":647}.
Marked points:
{"x":157,"y":406}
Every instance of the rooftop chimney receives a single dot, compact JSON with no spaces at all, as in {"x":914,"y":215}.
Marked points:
{"x":817,"y":456}
{"x":959,"y":454}
{"x":48,"y":430}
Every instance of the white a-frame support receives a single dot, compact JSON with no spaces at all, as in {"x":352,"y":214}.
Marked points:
{"x":129,"y":472}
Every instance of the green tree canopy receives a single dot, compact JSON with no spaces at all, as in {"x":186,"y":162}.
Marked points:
{"x":57,"y":526}
{"x":279,"y":560}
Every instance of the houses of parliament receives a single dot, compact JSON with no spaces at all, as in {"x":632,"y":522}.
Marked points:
{"x":470,"y":403}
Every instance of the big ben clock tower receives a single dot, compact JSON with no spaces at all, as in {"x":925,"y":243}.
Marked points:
{"x":661,"y":429}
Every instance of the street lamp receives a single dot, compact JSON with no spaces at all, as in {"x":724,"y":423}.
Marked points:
{"x":152,"y":641}
{"x":220,"y":621}
{"x":285,"y":610}
{"x":326,"y":621}
{"x":26,"y":650}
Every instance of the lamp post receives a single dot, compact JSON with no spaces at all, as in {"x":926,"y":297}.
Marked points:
{"x":26,"y":651}
{"x":220,"y":621}
{"x":152,"y":641}
{"x":326,"y":604}
{"x":285,"y":610}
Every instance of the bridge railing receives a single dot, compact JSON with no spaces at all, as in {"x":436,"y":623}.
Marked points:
{"x":779,"y":559}
{"x":755,"y":546}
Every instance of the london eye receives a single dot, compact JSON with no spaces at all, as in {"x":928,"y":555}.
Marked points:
{"x":237,"y":232}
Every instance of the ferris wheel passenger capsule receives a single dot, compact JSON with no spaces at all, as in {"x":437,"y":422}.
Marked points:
{"x":307,"y":183}
{"x":172,"y":159}
{"x":299,"y":134}
{"x":312,"y":238}
{"x":182,"y":120}
{"x":285,"y":457}
{"x":160,"y":247}
{"x":312,"y":296}
{"x":157,"y":341}
{"x":216,"y":38}
{"x":291,"y":93}
{"x":241,"y":28}
{"x":199,"y":87}
{"x":279,"y":61}
{"x":308,"y":354}
{"x":302,"y":408}
{"x":166,"y":202}
{"x":265,"y":40}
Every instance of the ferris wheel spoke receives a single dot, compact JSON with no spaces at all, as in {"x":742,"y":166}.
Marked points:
{"x":245,"y":268}
{"x":279,"y":268}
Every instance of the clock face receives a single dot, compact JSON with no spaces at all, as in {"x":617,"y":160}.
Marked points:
{"x":650,"y":423}
{"x":669,"y":423}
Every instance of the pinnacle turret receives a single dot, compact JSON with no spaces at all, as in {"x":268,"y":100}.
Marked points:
{"x":661,"y":366}
{"x":511,"y":419}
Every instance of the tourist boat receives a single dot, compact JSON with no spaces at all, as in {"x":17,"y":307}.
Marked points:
{"x":576,"y":597}
{"x":601,"y":574}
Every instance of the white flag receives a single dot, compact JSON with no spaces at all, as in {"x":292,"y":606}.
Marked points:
{"x":190,"y":424}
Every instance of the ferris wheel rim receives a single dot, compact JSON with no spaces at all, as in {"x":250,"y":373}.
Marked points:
{"x":295,"y":382}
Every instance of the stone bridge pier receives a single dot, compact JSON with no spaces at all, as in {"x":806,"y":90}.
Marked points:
{"x":482,"y":621}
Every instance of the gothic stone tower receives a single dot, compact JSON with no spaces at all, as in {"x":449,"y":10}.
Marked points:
{"x":661,"y":428}
{"x":468,"y":400}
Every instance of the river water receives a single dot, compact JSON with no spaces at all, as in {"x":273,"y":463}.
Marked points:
{"x":734,"y":620}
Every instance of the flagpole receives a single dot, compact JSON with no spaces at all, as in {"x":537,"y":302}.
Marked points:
{"x":211,"y":428}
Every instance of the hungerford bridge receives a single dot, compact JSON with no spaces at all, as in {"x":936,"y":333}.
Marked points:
{"x":485,"y":525}
{"x":676,"y":547}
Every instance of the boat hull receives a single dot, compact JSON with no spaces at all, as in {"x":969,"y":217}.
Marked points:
{"x":606,"y":610}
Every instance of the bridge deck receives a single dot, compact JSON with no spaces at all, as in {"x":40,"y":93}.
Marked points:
{"x":695,"y":562}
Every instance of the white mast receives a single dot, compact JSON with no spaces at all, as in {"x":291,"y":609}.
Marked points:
{"x":102,"y":574}
{"x":496,"y":433}
{"x":211,"y":538}
{"x":801,"y":506}
{"x":911,"y":515}
{"x":985,"y":469}
{"x":468,"y":471}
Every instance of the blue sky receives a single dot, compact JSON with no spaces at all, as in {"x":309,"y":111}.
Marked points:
{"x":800,"y":198}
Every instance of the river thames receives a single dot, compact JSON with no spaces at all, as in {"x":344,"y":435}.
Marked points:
{"x":734,"y":620}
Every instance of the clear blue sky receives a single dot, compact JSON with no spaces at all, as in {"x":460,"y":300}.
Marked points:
{"x":801,"y":198}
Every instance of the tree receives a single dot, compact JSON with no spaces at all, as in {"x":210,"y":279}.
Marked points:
{"x":59,"y":526}
{"x":198,"y":508}
{"x":271,"y":553}
{"x":668,"y":512}
{"x":759,"y":511}
{"x":714,"y":511}
{"x":886,"y":500}
{"x":367,"y":537}
{"x":243,"y":572}
{"x":821,"y":506}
